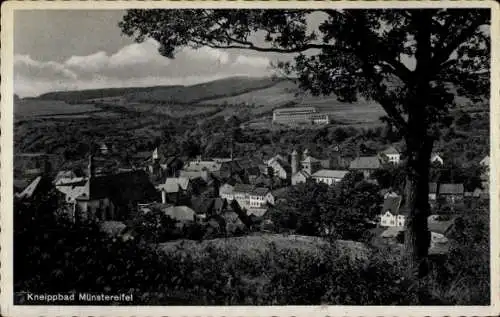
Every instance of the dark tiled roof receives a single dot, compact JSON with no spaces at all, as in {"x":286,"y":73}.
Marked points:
{"x":260,"y":191}
{"x":366,"y":162}
{"x":392,"y":204}
{"x":442,"y":227}
{"x":243,"y":188}
{"x":122,"y":187}
{"x":390,"y":150}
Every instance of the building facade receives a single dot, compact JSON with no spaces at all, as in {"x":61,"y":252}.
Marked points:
{"x":329,"y":177}
{"x":299,"y":115}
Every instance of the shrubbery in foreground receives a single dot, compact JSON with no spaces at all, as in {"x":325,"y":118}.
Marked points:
{"x":53,"y":256}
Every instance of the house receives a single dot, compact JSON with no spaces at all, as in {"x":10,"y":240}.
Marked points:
{"x":436,"y":159}
{"x":329,"y":177}
{"x":366,"y":164}
{"x":440,"y":231}
{"x":108,"y":197}
{"x":452,"y":193}
{"x":391,"y":215}
{"x":226,"y":191}
{"x":300,"y":177}
{"x":260,"y":197}
{"x":433,"y":188}
{"x":280,"y":167}
{"x":174,"y":189}
{"x":192,"y":175}
{"x":242,"y":194}
{"x":392,"y":154}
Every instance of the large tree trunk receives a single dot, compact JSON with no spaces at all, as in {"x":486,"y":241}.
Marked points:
{"x":417,"y":236}
{"x":419,"y":147}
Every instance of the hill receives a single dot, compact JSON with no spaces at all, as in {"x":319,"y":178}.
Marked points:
{"x":169,"y":94}
{"x":255,"y":246}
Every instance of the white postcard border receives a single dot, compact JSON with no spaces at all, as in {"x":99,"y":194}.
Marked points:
{"x":6,"y":188}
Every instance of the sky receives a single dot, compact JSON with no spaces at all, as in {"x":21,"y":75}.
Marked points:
{"x":84,"y":49}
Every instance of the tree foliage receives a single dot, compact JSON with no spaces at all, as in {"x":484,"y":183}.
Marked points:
{"x":410,"y":61}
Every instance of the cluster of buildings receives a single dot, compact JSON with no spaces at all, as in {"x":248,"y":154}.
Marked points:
{"x":441,"y":222}
{"x":299,"y":115}
{"x":210,"y":189}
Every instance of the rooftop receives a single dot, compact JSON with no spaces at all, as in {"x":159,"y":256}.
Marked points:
{"x":260,"y":191}
{"x":392,"y":204}
{"x":294,"y":109}
{"x":366,"y":162}
{"x":449,"y":189}
{"x":390,"y":150}
{"x":243,"y":188}
{"x":330,"y":173}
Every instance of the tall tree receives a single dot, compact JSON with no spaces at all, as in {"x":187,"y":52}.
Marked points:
{"x":404,"y":59}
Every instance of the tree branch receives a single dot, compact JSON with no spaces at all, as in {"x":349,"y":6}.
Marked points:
{"x":442,"y":55}
{"x":250,"y":46}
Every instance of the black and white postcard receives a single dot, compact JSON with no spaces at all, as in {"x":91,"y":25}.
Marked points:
{"x":250,"y":158}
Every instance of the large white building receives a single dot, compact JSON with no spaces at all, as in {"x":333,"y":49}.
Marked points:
{"x":329,"y":177}
{"x":298,"y":115}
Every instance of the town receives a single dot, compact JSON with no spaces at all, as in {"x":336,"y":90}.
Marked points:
{"x":253,"y":157}
{"x":236,"y":195}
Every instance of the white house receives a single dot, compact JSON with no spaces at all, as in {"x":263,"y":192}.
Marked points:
{"x":392,"y":154}
{"x":391,"y":215}
{"x":329,"y":177}
{"x":259,"y":197}
{"x":226,"y":191}
{"x":300,"y":177}
{"x":281,"y":168}
{"x":241,"y":193}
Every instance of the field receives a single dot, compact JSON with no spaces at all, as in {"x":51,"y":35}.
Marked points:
{"x":24,"y":109}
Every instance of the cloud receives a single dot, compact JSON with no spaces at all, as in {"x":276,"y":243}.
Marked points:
{"x":252,"y":61}
{"x":137,"y":64}
{"x":207,"y":53}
